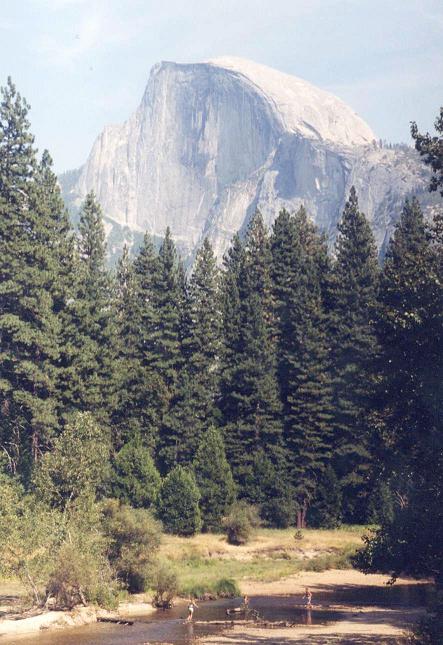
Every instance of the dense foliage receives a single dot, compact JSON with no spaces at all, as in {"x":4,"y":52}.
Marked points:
{"x":304,"y":383}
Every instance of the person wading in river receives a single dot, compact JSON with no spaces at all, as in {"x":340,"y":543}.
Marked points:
{"x":192,"y":605}
{"x":308,"y":598}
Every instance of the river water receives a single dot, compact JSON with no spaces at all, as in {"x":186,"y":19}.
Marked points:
{"x":169,"y":626}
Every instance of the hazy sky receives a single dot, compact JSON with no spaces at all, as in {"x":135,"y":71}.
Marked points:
{"x":85,"y":63}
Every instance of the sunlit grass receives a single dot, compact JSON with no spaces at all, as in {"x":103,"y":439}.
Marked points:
{"x":272,"y":554}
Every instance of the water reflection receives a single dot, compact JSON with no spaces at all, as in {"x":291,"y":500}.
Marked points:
{"x":170,"y":626}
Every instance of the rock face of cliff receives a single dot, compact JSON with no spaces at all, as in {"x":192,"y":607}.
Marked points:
{"x":213,"y":141}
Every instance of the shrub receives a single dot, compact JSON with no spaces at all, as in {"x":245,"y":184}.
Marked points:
{"x":29,"y":537}
{"x":177,"y":503}
{"x":80,"y":569}
{"x":134,"y":538}
{"x":137,"y":481}
{"x":214,"y":479}
{"x":227,"y":588}
{"x":165,"y":584}
{"x":240,"y":522}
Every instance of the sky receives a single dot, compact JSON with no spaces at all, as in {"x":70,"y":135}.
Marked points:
{"x":83,"y":64}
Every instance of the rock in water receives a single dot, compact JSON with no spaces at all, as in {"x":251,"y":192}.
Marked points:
{"x":213,"y":141}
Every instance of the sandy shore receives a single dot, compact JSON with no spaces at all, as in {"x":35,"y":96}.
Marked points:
{"x":360,"y":624}
{"x":52,"y":620}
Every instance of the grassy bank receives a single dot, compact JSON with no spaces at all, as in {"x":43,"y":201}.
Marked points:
{"x":202,"y":561}
{"x":207,"y":564}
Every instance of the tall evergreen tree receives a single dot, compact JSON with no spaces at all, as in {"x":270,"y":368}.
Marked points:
{"x":302,"y":353}
{"x":409,"y":408}
{"x":411,"y":339}
{"x":431,"y":148}
{"x":214,"y":479}
{"x":193,"y":405}
{"x":352,"y":300}
{"x":89,"y":336}
{"x":132,"y":417}
{"x":28,"y":324}
{"x":230,"y":315}
{"x":166,"y":357}
{"x":250,"y":402}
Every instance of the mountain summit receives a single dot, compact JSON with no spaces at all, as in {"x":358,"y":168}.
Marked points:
{"x":213,"y":141}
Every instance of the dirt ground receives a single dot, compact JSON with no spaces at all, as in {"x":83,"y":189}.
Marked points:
{"x":360,"y":624}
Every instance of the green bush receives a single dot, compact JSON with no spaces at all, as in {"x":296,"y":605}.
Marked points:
{"x":136,"y":479}
{"x":227,"y":588}
{"x":214,"y":479}
{"x":165,"y":584}
{"x":78,"y":463}
{"x":178,"y":503}
{"x":80,"y":568}
{"x":240,"y":522}
{"x":134,"y":538}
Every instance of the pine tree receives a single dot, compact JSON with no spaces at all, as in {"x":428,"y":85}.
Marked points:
{"x":177,"y":503}
{"x":214,"y":479}
{"x":193,"y":405}
{"x":230,"y":316}
{"x":136,"y":481}
{"x":250,"y":403}
{"x":137,"y":413}
{"x":28,"y":274}
{"x":165,"y":352}
{"x":352,"y":300}
{"x":302,"y":353}
{"x":89,"y":334}
{"x":431,"y":147}
{"x":410,"y":333}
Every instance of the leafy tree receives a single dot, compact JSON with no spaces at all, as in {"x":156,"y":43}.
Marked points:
{"x":214,"y":479}
{"x":77,"y":463}
{"x":177,"y":503}
{"x":134,"y":539}
{"x":352,"y":301}
{"x":136,"y":481}
{"x":29,"y":533}
{"x":431,"y":147}
{"x":81,"y":571}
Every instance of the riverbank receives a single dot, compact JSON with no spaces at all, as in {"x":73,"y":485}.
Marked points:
{"x":78,"y":617}
{"x":274,"y":569}
{"x":342,"y":591}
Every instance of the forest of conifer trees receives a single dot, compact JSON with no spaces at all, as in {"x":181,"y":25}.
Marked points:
{"x":305,"y":382}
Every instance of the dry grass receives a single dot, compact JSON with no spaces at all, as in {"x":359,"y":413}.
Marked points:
{"x":271,"y":555}
{"x":265,"y":543}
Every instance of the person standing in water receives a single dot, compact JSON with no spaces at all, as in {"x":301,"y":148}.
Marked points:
{"x":192,"y":605}
{"x":308,"y":598}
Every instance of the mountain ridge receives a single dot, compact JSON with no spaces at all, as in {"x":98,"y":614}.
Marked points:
{"x":210,"y":142}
